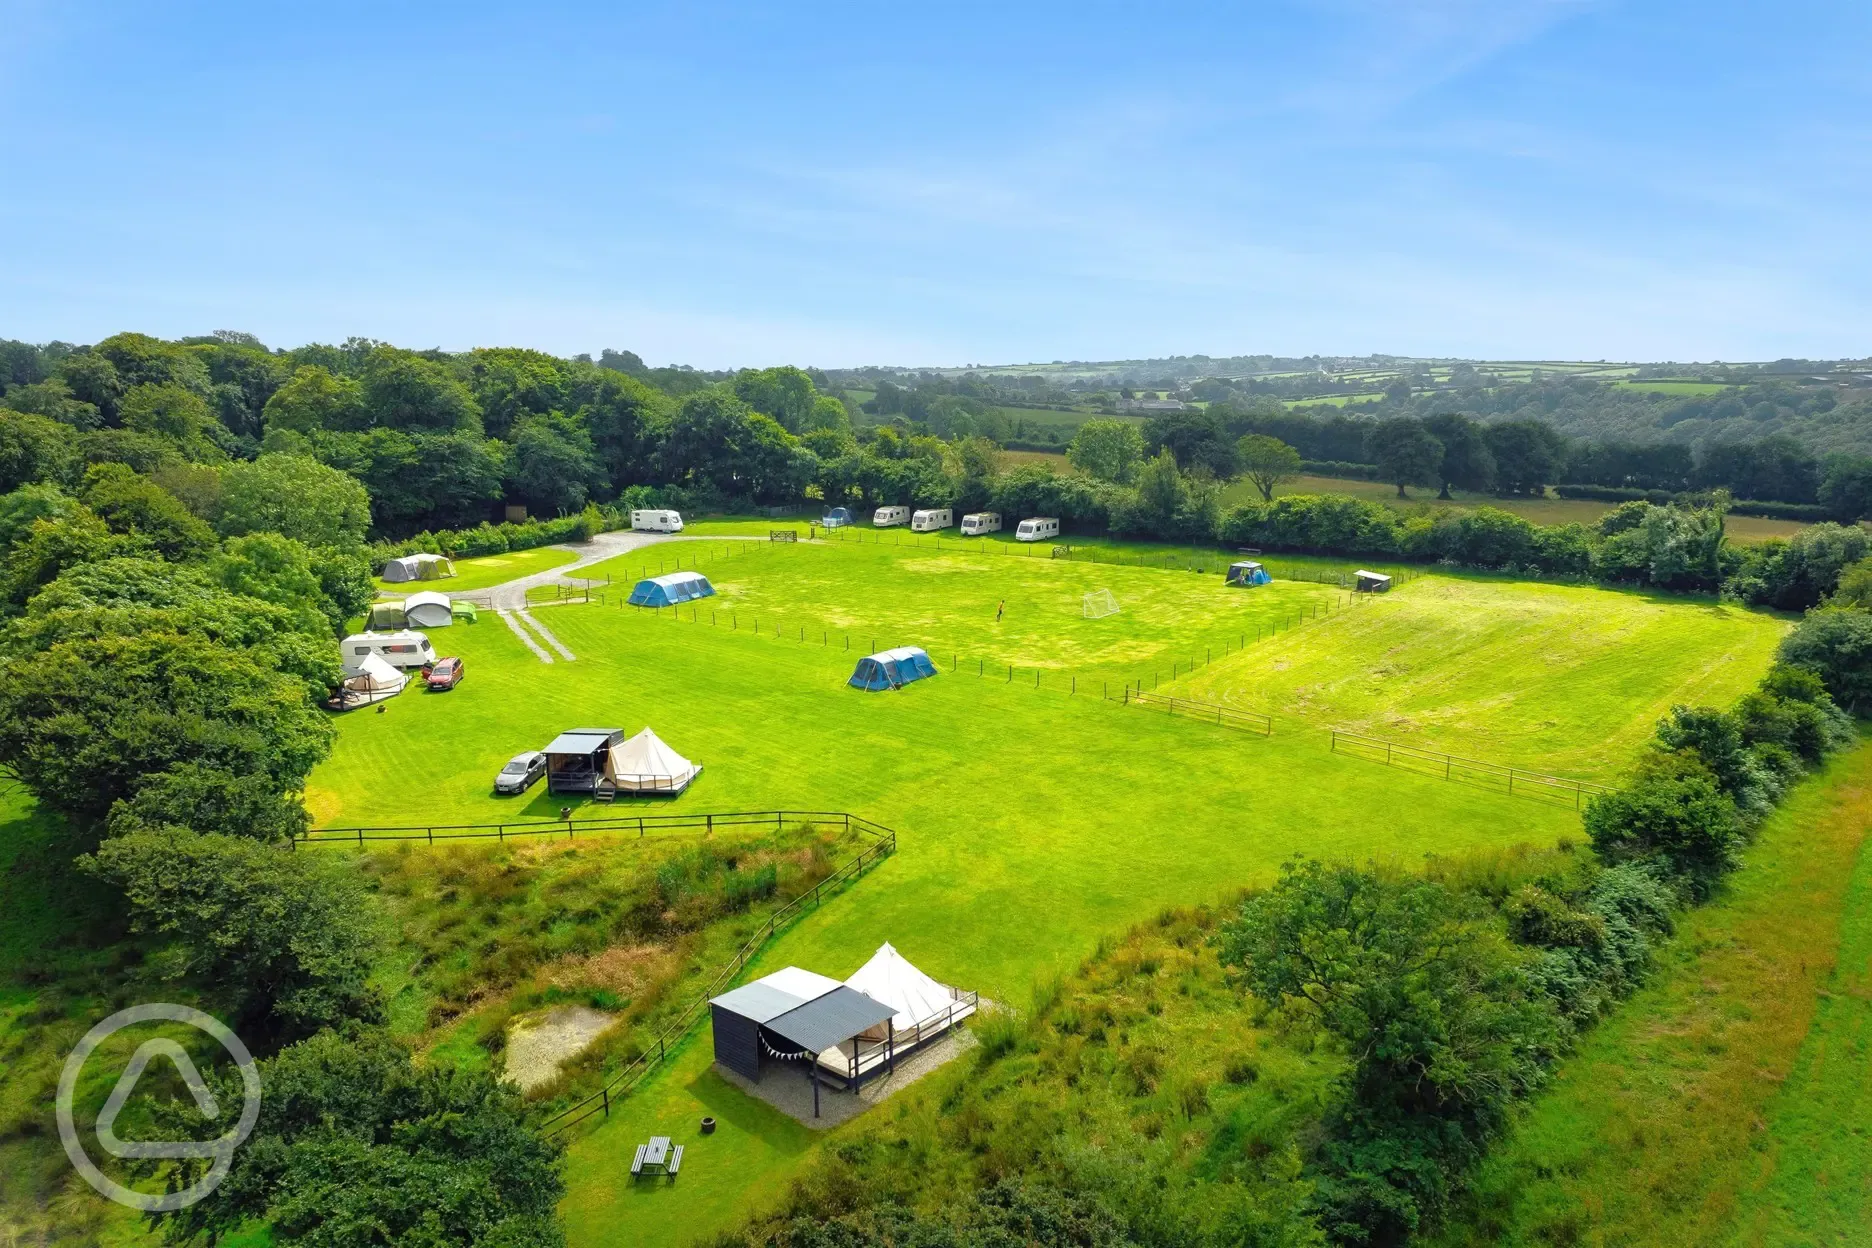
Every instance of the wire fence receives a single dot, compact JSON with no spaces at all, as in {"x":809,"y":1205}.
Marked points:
{"x":571,"y":828}
{"x":656,"y":1049}
{"x":1208,"y":712}
{"x":1467,"y":770}
{"x":1010,"y":673}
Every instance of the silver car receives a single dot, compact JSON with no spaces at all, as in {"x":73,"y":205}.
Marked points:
{"x":521,"y":773}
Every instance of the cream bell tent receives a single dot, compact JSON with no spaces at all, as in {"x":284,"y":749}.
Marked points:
{"x":644,"y":764}
{"x":428,"y":609}
{"x":420,"y":567}
{"x":922,"y":1007}
{"x":374,"y":681}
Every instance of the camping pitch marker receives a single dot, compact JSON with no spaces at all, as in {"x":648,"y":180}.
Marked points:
{"x":1100,"y":603}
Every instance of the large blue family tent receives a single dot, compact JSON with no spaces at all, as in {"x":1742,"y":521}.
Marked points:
{"x":889,"y":669}
{"x":671,"y":588}
{"x":1247,"y":572}
{"x":836,"y":518}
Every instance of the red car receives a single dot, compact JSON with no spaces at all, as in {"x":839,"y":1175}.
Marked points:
{"x":445,"y":674}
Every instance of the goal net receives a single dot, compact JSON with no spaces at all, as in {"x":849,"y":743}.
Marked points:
{"x":1099,"y":604}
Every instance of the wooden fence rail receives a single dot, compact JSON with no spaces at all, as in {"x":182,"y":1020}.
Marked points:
{"x":656,"y":1049}
{"x":1520,"y":783}
{"x":572,"y":828}
{"x":1208,"y":712}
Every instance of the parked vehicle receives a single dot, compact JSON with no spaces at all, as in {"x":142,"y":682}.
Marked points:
{"x":446,"y":674}
{"x":979,"y":522}
{"x":521,"y":773}
{"x":656,"y":521}
{"x":932,"y":519}
{"x":890,"y":517}
{"x":1037,"y":529}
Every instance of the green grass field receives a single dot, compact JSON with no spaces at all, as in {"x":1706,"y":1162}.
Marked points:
{"x":487,"y":570}
{"x":1033,"y":822}
{"x":1567,"y":678}
{"x":1725,"y":1102}
{"x":1535,"y":510}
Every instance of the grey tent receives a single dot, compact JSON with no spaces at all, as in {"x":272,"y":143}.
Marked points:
{"x":419,"y":567}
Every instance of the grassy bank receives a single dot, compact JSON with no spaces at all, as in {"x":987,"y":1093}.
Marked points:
{"x":1719,"y":1105}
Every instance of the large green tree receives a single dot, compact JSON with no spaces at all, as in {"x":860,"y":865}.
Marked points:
{"x":296,"y":496}
{"x":358,"y":1144}
{"x":86,"y":721}
{"x":1107,"y":449}
{"x":280,"y":937}
{"x":1266,"y":462}
{"x":1406,"y":453}
{"x":314,"y":399}
{"x":402,"y":390}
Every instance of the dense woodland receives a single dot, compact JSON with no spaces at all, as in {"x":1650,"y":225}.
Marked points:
{"x":186,"y":527}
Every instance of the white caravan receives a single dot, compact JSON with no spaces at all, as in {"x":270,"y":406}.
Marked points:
{"x":1038,"y":529}
{"x":890,"y":517}
{"x":980,"y":522}
{"x":402,"y":648}
{"x":656,"y":521}
{"x":931,"y":520}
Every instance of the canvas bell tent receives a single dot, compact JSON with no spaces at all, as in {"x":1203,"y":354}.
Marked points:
{"x":428,"y":610}
{"x":644,"y":764}
{"x":923,"y":1007}
{"x":374,"y":681}
{"x":1247,"y":572}
{"x":422,"y":567}
{"x":889,"y":669}
{"x":671,"y":588}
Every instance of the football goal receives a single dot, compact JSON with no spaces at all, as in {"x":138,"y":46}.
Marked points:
{"x":1099,"y":604}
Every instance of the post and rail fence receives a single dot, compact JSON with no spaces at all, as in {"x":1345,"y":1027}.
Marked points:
{"x":572,"y":828}
{"x":1467,"y":770}
{"x":1208,"y":712}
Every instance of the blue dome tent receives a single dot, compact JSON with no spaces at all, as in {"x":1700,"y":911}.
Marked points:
{"x":1247,"y":572}
{"x":890,"y":669}
{"x":836,"y":518}
{"x":670,"y":589}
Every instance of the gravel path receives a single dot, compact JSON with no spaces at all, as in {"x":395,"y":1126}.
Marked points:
{"x":546,"y":635}
{"x":511,"y":595}
{"x":526,"y":638}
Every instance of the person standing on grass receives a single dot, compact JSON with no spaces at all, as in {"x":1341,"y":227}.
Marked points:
{"x":999,"y":610}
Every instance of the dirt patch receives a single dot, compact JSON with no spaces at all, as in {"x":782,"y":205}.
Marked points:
{"x":538,"y":1043}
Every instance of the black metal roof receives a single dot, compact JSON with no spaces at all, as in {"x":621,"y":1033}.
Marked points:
{"x":829,"y":1020}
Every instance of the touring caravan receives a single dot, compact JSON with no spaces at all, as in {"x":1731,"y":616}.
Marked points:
{"x":656,"y":521}
{"x":890,"y":517}
{"x":403,"y":648}
{"x":980,"y":522}
{"x":931,"y":520}
{"x":1037,"y":529}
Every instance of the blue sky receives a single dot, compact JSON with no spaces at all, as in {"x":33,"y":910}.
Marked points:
{"x":841,"y":185}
